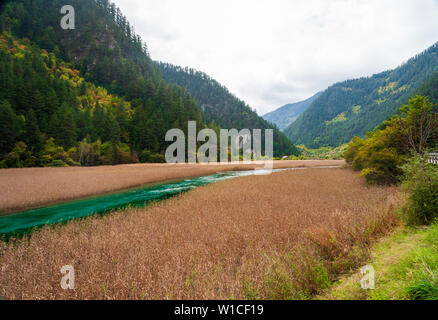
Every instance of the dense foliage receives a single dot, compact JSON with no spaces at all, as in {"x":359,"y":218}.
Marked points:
{"x":354,"y":107}
{"x":386,"y":149}
{"x":94,"y":90}
{"x":54,"y":99}
{"x":220,"y":107}
{"x":323,"y":153}
{"x":103,"y":44}
{"x":396,"y":152}
{"x":420,"y":180}
{"x":47,"y":109}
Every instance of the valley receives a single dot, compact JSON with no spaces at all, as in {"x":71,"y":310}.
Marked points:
{"x":282,"y":236}
{"x":305,"y":202}
{"x":41,"y":186}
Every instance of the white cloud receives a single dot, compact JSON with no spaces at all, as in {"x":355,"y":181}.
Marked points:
{"x":273,"y":52}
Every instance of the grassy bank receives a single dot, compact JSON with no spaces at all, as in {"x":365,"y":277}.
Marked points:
{"x":406,"y":268}
{"x":283,"y":236}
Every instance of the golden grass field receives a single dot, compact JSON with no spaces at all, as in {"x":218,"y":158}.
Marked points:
{"x":282,"y":236}
{"x":28,"y":187}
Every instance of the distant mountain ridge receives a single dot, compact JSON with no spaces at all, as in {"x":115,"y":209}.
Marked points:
{"x":354,"y":107}
{"x":289,"y":113}
{"x":221,"y":108}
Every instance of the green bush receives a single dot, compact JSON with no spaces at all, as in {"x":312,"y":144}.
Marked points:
{"x":107,"y":154}
{"x":145,"y":156}
{"x":3,"y":164}
{"x":123,"y":155}
{"x":19,"y":157}
{"x":55,"y":156}
{"x":420,"y":181}
{"x":86,"y":154}
{"x":157,"y":158}
{"x":58,"y":163}
{"x":148,"y":157}
{"x":385,"y":149}
{"x":376,"y":157}
{"x":353,"y":149}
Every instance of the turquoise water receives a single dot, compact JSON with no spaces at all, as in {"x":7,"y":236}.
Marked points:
{"x":24,"y":222}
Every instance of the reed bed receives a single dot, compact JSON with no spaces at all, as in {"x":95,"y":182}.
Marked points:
{"x":283,"y":236}
{"x":30,"y":187}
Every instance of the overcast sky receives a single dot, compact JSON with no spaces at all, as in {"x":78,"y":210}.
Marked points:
{"x":273,"y":52}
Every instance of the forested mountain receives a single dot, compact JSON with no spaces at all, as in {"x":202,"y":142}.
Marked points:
{"x":220,"y":107}
{"x":288,"y":114}
{"x":107,"y":53}
{"x":91,"y":95}
{"x":51,"y":115}
{"x":429,"y":89}
{"x":103,"y":43}
{"x":354,"y":107}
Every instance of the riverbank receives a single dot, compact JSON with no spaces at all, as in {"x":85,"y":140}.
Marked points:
{"x":29,"y":188}
{"x":25,"y":222}
{"x":405,"y":265}
{"x":283,"y":236}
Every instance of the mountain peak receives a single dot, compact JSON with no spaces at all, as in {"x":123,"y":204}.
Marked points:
{"x":289,"y":113}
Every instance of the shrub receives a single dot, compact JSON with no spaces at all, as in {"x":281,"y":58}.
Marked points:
{"x":385,"y":149}
{"x":376,"y":157}
{"x":382,"y":167}
{"x":55,"y":156}
{"x":106,"y":154}
{"x":112,"y":154}
{"x":86,"y":154}
{"x":70,"y":162}
{"x":123,"y":154}
{"x":353,"y":149}
{"x":157,"y":158}
{"x":58,"y":163}
{"x":19,"y":157}
{"x":145,"y":156}
{"x":148,"y":157}
{"x":3,"y":164}
{"x":420,"y":181}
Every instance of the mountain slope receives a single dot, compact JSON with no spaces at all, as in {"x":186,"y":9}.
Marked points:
{"x":104,"y":51}
{"x":221,"y":107}
{"x":288,"y":114}
{"x":430,"y":89}
{"x":354,"y":107}
{"x":108,"y":53}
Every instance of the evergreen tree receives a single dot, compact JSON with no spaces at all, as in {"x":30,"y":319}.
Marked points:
{"x":32,"y":135}
{"x":62,"y":127}
{"x":8,"y":127}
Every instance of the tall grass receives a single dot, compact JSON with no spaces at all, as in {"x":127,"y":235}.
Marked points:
{"x":23,"y":188}
{"x":283,"y":236}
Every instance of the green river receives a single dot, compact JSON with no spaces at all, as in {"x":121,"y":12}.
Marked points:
{"x":24,"y":222}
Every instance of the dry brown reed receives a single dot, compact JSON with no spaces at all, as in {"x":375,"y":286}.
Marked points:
{"x":28,"y":187}
{"x":283,"y":236}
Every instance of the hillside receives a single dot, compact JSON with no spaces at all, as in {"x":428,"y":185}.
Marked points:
{"x":107,"y":52}
{"x":220,"y":107}
{"x":430,"y":89}
{"x":52,"y":116}
{"x":137,"y":109}
{"x":288,"y":114}
{"x":103,"y":44}
{"x":354,"y":107}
